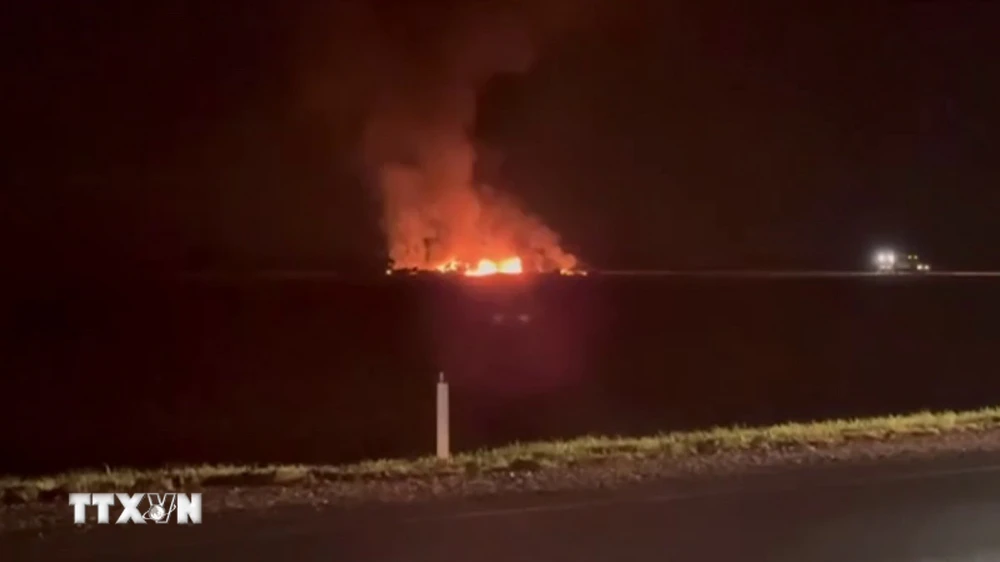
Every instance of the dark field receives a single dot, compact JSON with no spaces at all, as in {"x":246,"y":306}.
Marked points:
{"x":335,"y":370}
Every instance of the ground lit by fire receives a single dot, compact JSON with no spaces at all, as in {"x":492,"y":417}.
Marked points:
{"x":484,"y":267}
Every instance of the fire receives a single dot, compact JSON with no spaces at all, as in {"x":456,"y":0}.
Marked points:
{"x":439,"y":214}
{"x":507,"y":266}
{"x":449,"y":266}
{"x":510,"y":266}
{"x":486,"y":267}
{"x":483,"y":268}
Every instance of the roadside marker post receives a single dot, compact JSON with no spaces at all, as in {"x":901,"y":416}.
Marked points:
{"x":443,"y":442}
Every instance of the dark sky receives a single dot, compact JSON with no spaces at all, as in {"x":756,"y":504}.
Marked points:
{"x":179,"y":135}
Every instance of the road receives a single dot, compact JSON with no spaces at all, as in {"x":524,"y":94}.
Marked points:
{"x":945,"y":510}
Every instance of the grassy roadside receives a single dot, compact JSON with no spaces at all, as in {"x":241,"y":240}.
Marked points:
{"x":517,"y":458}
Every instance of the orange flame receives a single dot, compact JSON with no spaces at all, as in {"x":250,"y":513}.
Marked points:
{"x":449,"y":266}
{"x":483,"y":268}
{"x":509,"y":266}
{"x":486,"y":267}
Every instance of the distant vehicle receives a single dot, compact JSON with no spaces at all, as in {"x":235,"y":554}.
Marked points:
{"x":887,"y":261}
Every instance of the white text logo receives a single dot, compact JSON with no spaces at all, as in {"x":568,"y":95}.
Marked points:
{"x":139,"y":508}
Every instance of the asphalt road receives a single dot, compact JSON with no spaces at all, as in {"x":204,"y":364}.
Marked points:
{"x":916,"y":512}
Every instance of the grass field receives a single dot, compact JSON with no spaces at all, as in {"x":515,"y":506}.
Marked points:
{"x":550,"y":457}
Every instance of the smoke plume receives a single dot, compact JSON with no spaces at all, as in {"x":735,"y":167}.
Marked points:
{"x":417,"y":140}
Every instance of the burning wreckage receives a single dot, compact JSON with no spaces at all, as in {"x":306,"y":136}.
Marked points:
{"x":483,"y":268}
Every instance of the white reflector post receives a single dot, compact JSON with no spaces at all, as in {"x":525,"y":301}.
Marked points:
{"x":443,"y":445}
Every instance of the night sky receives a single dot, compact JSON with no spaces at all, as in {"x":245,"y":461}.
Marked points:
{"x":185,"y":135}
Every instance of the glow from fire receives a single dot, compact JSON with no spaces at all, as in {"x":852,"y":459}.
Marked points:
{"x":510,"y":266}
{"x":483,"y":268}
{"x":507,"y":266}
{"x":486,"y":267}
